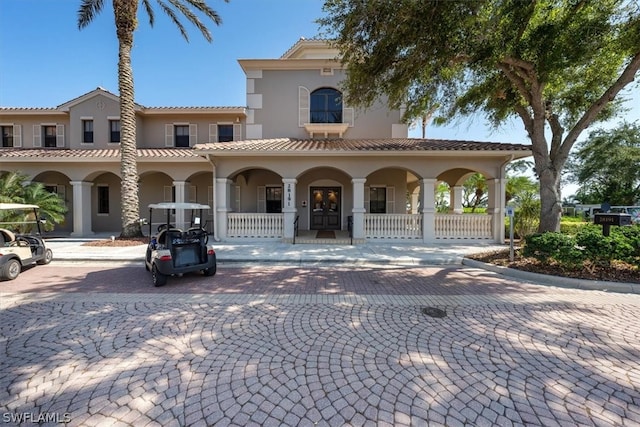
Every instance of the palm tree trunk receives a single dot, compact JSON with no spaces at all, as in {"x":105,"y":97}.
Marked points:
{"x":125,"y":12}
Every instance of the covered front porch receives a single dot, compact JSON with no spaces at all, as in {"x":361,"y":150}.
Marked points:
{"x":392,"y":227}
{"x":369,"y":189}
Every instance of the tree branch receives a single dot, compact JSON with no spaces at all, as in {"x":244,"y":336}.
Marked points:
{"x":589,"y":116}
{"x":517,"y":80}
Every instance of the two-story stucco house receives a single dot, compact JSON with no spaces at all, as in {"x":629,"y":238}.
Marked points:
{"x":295,"y":159}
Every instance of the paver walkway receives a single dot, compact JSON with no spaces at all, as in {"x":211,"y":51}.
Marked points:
{"x":507,"y":353}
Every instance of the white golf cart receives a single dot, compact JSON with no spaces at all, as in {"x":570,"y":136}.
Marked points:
{"x":20,"y":250}
{"x":173,"y":251}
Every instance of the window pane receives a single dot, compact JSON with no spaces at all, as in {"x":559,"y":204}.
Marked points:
{"x":7,"y":136}
{"x":182,"y":136}
{"x":378,"y":200}
{"x":103,"y":200}
{"x":114,"y":125}
{"x":87,"y":128}
{"x":274,"y":199}
{"x":326,"y":106}
{"x":49,"y":136}
{"x":225,"y":133}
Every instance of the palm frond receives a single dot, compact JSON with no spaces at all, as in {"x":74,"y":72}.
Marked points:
{"x":88,"y":10}
{"x":174,"y":18}
{"x":149,"y":10}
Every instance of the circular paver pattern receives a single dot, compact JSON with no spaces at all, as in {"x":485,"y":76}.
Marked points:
{"x":549,"y":357}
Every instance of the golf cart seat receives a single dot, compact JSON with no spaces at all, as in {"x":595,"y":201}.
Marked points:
{"x":6,"y":237}
{"x":161,"y":239}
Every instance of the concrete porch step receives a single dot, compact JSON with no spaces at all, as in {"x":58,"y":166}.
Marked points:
{"x":314,"y":241}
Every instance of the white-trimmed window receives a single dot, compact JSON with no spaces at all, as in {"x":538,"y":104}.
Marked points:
{"x":323,"y":105}
{"x":114,"y":130}
{"x":87,"y":131}
{"x":48,"y":135}
{"x":182,"y":135}
{"x":381,"y":199}
{"x":11,"y":135}
{"x":273,"y":199}
{"x":225,"y":132}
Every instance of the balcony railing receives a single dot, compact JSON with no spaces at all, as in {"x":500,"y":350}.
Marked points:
{"x":255,"y":225}
{"x":393,"y":226}
{"x":465,"y":226}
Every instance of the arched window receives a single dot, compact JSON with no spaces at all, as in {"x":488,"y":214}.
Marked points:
{"x":326,"y":106}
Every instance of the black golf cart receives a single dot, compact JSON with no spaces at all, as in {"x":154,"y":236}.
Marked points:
{"x":174,"y":251}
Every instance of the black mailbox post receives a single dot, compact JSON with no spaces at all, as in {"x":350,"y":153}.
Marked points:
{"x":609,"y":219}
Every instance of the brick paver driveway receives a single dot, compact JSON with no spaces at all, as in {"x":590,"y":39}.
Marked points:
{"x":314,"y":346}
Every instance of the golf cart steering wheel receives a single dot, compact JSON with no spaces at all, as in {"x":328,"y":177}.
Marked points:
{"x":165,"y":226}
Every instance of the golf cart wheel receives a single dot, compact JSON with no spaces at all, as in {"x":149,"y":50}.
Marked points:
{"x":210,"y":271}
{"x":48,"y":256}
{"x":11,"y":269}
{"x":158,"y":278}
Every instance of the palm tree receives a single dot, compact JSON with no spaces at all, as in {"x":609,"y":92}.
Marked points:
{"x":14,"y":189}
{"x":125,"y":12}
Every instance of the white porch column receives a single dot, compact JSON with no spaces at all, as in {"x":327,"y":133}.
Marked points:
{"x":180,"y":187}
{"x":223,"y":201}
{"x":289,"y":209}
{"x":428,"y":191}
{"x":81,"y":208}
{"x":456,"y":199}
{"x":358,"y":207}
{"x":496,"y":207}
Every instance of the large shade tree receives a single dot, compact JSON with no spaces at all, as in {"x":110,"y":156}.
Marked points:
{"x":557,"y":65}
{"x":126,"y":21}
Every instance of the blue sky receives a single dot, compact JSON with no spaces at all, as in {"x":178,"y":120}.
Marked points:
{"x":48,"y":61}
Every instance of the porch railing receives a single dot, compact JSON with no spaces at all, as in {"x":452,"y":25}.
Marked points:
{"x":465,"y":226}
{"x":393,"y":226}
{"x":255,"y":225}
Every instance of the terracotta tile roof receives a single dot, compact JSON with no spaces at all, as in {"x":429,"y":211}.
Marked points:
{"x":198,"y":108}
{"x":65,"y":153}
{"x":356,"y":145}
{"x":278,"y":145}
{"x":28,"y":109}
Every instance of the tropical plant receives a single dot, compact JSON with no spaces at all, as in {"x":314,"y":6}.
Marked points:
{"x":475,"y":192}
{"x":15,"y":189}
{"x":125,"y":13}
{"x":527,"y":213}
{"x":557,"y":65}
{"x":442,"y":197}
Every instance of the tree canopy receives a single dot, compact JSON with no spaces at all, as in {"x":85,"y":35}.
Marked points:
{"x":557,"y":65}
{"x":606,"y":166}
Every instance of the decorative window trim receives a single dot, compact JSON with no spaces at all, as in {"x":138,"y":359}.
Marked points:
{"x":17,"y":134}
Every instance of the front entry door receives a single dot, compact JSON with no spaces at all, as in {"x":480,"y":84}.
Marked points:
{"x":325,"y":208}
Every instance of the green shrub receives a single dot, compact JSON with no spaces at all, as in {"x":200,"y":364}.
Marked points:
{"x":571,"y":227}
{"x":557,"y":247}
{"x":588,"y":244}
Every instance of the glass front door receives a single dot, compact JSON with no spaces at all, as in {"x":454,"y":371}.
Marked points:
{"x":325,"y":208}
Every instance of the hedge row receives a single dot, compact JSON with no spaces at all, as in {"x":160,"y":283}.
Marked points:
{"x":587,"y":244}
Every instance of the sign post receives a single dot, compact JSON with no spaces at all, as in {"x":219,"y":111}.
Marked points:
{"x":509,"y":211}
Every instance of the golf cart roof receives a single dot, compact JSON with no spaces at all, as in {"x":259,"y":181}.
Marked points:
{"x":10,"y":206}
{"x":171,"y":205}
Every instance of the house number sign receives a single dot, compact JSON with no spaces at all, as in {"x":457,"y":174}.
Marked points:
{"x":288,"y":195}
